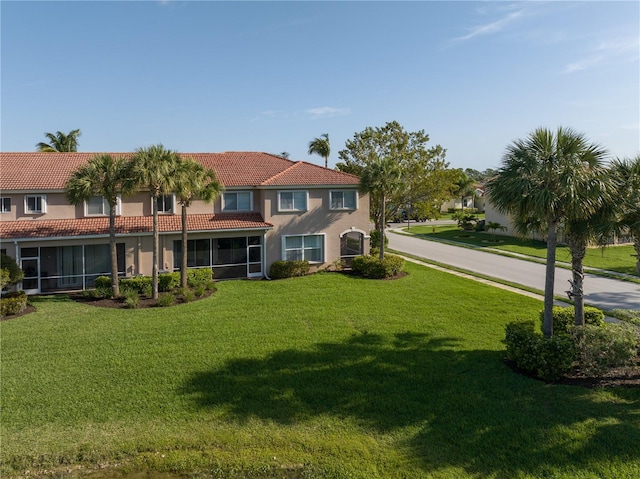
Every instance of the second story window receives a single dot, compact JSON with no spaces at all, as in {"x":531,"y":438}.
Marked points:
{"x":5,"y":205}
{"x":237,"y":201}
{"x":292,"y":201}
{"x":35,"y":204}
{"x":165,"y":204}
{"x":344,"y":200}
{"x":99,"y":206}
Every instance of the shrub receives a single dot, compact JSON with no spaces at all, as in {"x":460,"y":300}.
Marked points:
{"x":137,"y":283}
{"x":629,"y":315}
{"x":564,"y":318}
{"x":374,"y":242}
{"x":288,"y":269}
{"x":13,"y":303}
{"x":547,"y":358}
{"x":374,"y":268}
{"x":168,"y":281}
{"x":98,"y":293}
{"x":103,"y":282}
{"x":188,"y":295}
{"x":131,"y":298}
{"x":167,"y":299}
{"x":600,"y":348}
{"x":199,"y":290}
{"x":15,"y":274}
{"x":198,"y":276}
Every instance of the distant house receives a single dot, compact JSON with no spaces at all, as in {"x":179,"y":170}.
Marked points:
{"x":475,"y":201}
{"x":272,"y":209}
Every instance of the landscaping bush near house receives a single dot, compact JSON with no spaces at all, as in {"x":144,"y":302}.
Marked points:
{"x":13,"y":274}
{"x":288,"y":269}
{"x":374,"y":242}
{"x":600,"y":348}
{"x":137,"y":283}
{"x":564,"y":318}
{"x":102,"y":282}
{"x":13,"y":303}
{"x":166,"y":299}
{"x":168,"y":281}
{"x":199,"y":276}
{"x":546,"y":357}
{"x":374,"y":268}
{"x":131,"y":298}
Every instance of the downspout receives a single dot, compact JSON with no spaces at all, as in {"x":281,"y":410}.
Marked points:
{"x":264,"y":256}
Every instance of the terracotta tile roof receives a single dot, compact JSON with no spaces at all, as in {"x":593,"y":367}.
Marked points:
{"x":129,"y":225}
{"x":49,"y":171}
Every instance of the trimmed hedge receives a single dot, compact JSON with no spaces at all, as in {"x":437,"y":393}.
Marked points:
{"x":547,"y":358}
{"x":374,"y":268}
{"x":288,"y":269}
{"x":600,"y":348}
{"x":198,"y":276}
{"x":564,"y":318}
{"x":13,"y":303}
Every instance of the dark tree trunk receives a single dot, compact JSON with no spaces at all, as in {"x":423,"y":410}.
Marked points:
{"x":578,"y":246}
{"x":552,"y":241}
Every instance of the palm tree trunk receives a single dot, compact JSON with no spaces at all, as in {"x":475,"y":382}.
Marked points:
{"x":326,"y":162}
{"x":550,"y":273}
{"x":382,"y":224}
{"x":636,"y":246}
{"x":183,"y":266}
{"x":156,"y":248}
{"x":578,"y":248}
{"x":115,"y":286}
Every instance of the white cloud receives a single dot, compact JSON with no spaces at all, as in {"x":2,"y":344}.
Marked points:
{"x":327,"y":112}
{"x":616,"y":51}
{"x":492,"y":27}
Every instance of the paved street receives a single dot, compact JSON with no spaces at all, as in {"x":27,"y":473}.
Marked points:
{"x":604,"y":293}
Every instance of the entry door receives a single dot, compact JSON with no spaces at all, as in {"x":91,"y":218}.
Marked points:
{"x":254,"y":256}
{"x":31,"y":280}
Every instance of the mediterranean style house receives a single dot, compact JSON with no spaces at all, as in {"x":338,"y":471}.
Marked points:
{"x":272,"y":209}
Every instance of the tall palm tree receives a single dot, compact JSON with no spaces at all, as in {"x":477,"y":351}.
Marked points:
{"x":192,"y":180}
{"x":464,"y":187}
{"x":626,"y":174}
{"x":153,"y":168}
{"x":60,"y":142}
{"x":109,"y":177}
{"x":381,"y":178}
{"x":545,"y":179}
{"x":320,"y":146}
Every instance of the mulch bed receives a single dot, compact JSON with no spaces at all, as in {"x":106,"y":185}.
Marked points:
{"x":144,"y":302}
{"x":626,"y":376}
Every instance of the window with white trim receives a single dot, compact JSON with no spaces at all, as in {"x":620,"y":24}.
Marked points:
{"x":165,"y":204}
{"x":343,"y":200}
{"x":99,"y":206}
{"x":237,"y":201}
{"x":292,"y":200}
{"x":5,"y":205}
{"x":35,"y":204}
{"x":303,"y":247}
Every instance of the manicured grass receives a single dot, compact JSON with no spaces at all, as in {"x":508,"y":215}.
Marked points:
{"x":325,"y":376}
{"x":612,"y":258}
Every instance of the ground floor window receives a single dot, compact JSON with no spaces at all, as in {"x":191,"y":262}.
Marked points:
{"x":351,"y":245}
{"x":237,"y":257}
{"x":60,"y":268}
{"x":303,"y":247}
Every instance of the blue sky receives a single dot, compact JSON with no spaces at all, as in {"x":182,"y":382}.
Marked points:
{"x":270,"y":76}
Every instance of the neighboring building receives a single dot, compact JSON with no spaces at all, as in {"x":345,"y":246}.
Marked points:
{"x":475,"y":201}
{"x":272,"y":209}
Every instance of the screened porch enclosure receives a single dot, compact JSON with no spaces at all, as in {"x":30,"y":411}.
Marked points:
{"x":230,"y":258}
{"x":67,"y":268}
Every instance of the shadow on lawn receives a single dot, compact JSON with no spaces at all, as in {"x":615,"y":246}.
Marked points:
{"x":472,"y":411}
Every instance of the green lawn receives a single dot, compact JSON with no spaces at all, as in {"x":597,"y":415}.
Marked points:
{"x":612,"y":258}
{"x":325,"y":376}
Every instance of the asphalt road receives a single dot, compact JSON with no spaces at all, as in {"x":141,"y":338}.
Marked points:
{"x":601,"y":292}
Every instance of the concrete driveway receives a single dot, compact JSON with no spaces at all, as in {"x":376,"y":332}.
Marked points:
{"x":601,"y":292}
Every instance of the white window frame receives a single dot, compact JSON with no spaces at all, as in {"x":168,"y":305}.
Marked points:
{"x":225,"y":208}
{"x":343,"y":192}
{"x":173,"y":204}
{"x":293,"y":200}
{"x":43,"y":204}
{"x":105,"y":207}
{"x":323,"y":246}
{"x":3,"y":201}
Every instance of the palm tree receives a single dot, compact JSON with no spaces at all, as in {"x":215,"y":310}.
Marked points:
{"x":493,"y":226}
{"x":320,"y":146}
{"x":192,"y":180}
{"x":545,"y":179}
{"x":626,"y":174}
{"x":60,"y":142}
{"x":109,"y":177}
{"x":154,"y":169}
{"x":465,"y":187}
{"x":381,"y":178}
